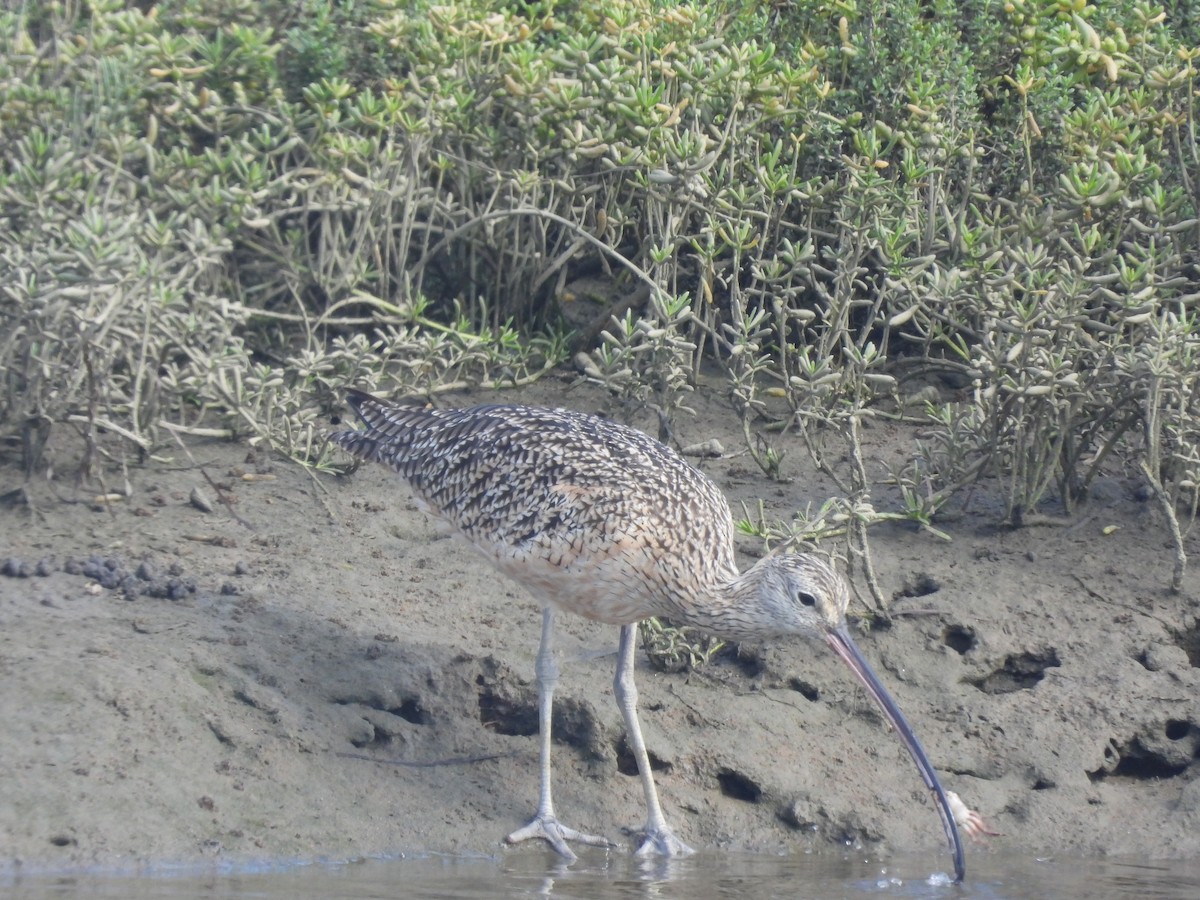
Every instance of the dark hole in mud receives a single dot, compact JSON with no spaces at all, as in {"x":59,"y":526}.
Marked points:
{"x":1177,"y":729}
{"x":805,"y":689}
{"x":627,"y":765}
{"x":411,"y":711}
{"x":505,"y":715}
{"x":738,"y":786}
{"x":1021,"y":671}
{"x":959,"y":638}
{"x":1043,"y":785}
{"x":921,"y":584}
{"x":62,"y":840}
{"x":1140,"y":768}
{"x":1145,"y":767}
{"x":1188,"y":639}
{"x":749,"y":659}
{"x":1133,"y":760}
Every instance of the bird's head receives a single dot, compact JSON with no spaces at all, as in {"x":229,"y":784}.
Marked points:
{"x":803,"y":594}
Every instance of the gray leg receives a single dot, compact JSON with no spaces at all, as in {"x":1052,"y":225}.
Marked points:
{"x":659,"y":838}
{"x":545,"y":824}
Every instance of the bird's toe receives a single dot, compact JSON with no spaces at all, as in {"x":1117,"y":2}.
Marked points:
{"x":553,"y":832}
{"x":663,"y":842}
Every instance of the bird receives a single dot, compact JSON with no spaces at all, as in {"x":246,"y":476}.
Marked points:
{"x":598,"y":519}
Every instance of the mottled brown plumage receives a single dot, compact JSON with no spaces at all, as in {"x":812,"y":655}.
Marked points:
{"x":565,"y":503}
{"x":600,"y":520}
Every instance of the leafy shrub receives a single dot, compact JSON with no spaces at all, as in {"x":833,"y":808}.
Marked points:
{"x":216,"y":215}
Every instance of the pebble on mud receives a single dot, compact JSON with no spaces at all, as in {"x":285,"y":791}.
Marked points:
{"x":801,"y":814}
{"x":111,"y":577}
{"x":170,"y":589}
{"x":1165,"y":658}
{"x":15,"y":567}
{"x":146,"y":580}
{"x":199,"y":499}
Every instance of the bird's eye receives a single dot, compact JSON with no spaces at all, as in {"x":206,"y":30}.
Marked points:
{"x":806,"y":599}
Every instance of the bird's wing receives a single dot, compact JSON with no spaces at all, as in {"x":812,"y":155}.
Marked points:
{"x":589,"y":514}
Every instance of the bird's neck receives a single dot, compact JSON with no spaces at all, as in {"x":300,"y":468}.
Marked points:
{"x":733,"y":607}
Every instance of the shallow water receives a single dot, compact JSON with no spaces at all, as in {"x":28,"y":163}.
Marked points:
{"x":707,"y":876}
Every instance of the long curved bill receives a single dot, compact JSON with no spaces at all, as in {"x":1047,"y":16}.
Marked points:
{"x":840,"y":642}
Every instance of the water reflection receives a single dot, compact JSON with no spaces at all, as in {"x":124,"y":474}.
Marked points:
{"x":710,"y":875}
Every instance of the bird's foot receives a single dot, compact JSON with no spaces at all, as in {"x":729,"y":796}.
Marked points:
{"x":553,"y":832}
{"x":663,"y":842}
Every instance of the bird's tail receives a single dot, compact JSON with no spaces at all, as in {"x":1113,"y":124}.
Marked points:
{"x":391,"y":427}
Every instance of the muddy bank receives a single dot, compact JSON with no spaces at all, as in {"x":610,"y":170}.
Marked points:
{"x":179,"y":684}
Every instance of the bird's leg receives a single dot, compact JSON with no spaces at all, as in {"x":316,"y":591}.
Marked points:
{"x":660,"y":839}
{"x":545,"y":824}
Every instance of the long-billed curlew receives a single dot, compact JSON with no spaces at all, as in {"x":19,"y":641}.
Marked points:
{"x":600,"y":520}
